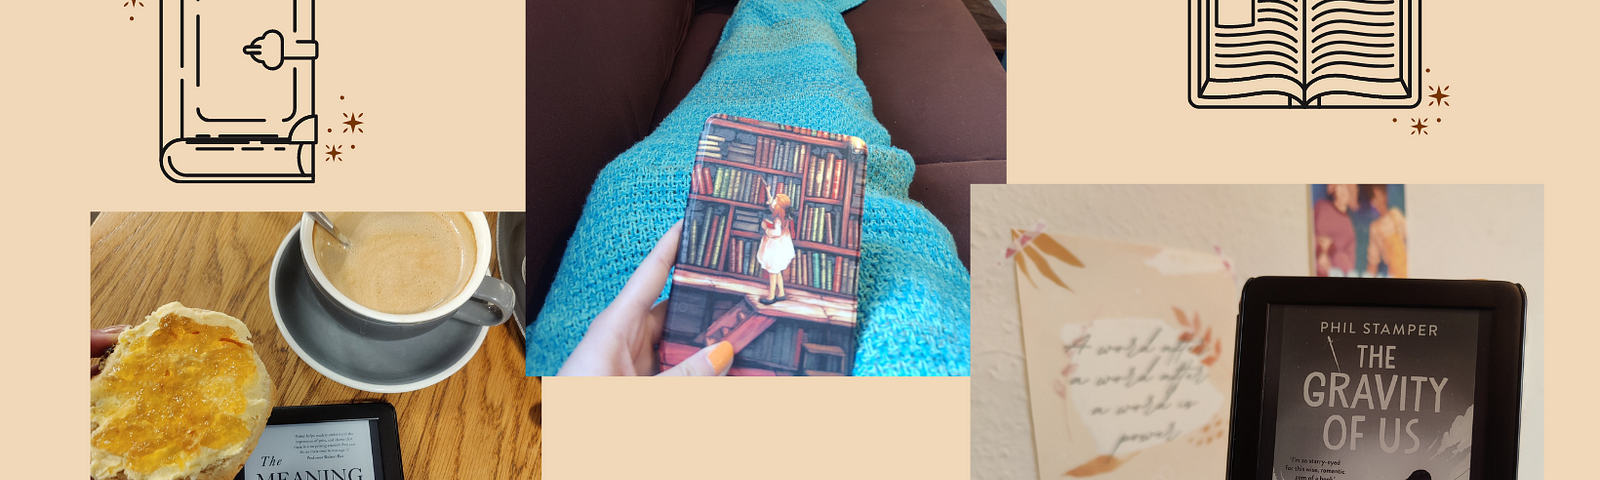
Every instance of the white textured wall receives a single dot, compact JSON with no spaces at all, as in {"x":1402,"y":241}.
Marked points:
{"x":1457,"y":231}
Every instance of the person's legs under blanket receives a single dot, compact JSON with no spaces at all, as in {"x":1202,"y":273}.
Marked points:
{"x":791,"y":63}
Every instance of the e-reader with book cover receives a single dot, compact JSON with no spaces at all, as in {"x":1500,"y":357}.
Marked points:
{"x":770,"y":248}
{"x":1305,"y":53}
{"x":1377,"y":379}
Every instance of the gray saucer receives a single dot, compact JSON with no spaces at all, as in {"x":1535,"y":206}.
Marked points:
{"x":510,"y":249}
{"x":307,"y":321}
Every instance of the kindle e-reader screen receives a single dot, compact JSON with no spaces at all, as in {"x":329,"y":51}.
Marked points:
{"x":341,"y":449}
{"x":327,"y":442}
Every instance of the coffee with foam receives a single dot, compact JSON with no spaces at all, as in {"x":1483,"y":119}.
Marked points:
{"x":398,"y":262}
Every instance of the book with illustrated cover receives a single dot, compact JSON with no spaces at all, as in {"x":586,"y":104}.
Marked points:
{"x":1376,"y":392}
{"x":1304,"y":53}
{"x":770,"y":248}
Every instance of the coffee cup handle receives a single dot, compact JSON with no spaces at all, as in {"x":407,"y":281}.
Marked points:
{"x":490,"y":305}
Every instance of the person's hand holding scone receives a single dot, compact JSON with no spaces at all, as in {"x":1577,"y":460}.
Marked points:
{"x":182,"y":396}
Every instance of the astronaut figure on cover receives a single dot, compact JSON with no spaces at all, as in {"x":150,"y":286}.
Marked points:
{"x":776,"y":251}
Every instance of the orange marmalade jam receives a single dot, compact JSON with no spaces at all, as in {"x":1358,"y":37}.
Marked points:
{"x":179,"y":390}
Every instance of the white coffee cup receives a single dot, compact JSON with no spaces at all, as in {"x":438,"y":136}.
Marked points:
{"x":484,"y":300}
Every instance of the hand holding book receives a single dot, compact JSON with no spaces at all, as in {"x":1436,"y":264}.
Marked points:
{"x":622,"y":339}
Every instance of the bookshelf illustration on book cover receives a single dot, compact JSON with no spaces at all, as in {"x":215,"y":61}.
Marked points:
{"x":771,"y":243}
{"x":1305,"y":53}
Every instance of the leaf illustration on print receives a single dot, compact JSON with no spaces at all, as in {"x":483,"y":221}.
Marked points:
{"x":1022,"y":263}
{"x":1054,"y":249}
{"x":1191,"y":329}
{"x":1044,"y":266}
{"x":1036,"y":248}
{"x":1098,"y":465}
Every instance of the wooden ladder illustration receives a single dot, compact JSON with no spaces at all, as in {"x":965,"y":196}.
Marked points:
{"x":739,"y":325}
{"x":742,"y":324}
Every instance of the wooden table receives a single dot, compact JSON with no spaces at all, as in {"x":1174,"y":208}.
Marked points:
{"x":482,"y":422}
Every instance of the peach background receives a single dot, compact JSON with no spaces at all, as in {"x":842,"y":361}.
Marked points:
{"x":768,"y":428}
{"x":80,"y":134}
{"x":440,"y":87}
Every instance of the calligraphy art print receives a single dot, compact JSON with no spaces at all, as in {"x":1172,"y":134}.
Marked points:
{"x":1129,"y":354}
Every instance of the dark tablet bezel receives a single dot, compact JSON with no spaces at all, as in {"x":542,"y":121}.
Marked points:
{"x":1494,"y":446}
{"x":385,"y":431}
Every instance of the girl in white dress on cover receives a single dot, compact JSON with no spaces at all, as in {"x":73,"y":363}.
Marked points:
{"x":777,"y":248}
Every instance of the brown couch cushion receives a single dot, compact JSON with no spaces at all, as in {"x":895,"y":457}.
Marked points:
{"x":946,"y":189}
{"x":935,"y":83}
{"x":694,"y":55}
{"x":939,"y":90}
{"x":594,"y":71}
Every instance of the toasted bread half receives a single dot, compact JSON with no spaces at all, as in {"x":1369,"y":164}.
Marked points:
{"x":182,"y":396}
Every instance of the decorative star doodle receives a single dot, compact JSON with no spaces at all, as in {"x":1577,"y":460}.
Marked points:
{"x":1438,"y":96}
{"x":133,"y":3}
{"x":352,"y":124}
{"x":333,"y":153}
{"x":1420,"y":125}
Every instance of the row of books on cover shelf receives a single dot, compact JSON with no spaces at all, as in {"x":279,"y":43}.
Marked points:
{"x":705,"y":244}
{"x":739,"y":185}
{"x":800,"y":130}
{"x":787,"y":345}
{"x":766,"y":152}
{"x":828,"y":177}
{"x":779,"y":345}
{"x":825,"y":176}
{"x":821,"y":270}
{"x":817,"y":225}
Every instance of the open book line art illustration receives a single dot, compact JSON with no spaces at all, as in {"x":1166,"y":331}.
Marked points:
{"x":1305,"y":53}
{"x":238,"y":91}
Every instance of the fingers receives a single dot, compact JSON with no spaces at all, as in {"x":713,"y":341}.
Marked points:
{"x":708,"y":362}
{"x":620,"y":339}
{"x":655,"y":321}
{"x":645,"y":285}
{"x":644,"y":345}
{"x":100,"y":340}
{"x":597,"y":356}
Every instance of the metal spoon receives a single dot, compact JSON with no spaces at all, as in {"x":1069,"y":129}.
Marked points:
{"x":327,"y":224}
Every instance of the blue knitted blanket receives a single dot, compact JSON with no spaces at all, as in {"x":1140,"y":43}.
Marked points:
{"x":791,"y":62}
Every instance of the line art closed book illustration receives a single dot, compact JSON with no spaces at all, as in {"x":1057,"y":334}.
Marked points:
{"x":237,"y":91}
{"x":1304,"y":53}
{"x":770,"y":249}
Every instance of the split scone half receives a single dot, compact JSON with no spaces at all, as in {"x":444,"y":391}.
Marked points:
{"x":182,"y":396}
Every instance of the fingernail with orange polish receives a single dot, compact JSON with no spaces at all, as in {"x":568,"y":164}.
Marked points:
{"x":721,"y":357}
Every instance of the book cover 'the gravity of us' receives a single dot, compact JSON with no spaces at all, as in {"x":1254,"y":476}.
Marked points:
{"x":1375,"y":393}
